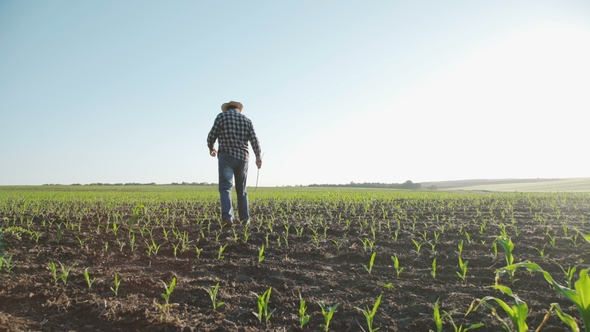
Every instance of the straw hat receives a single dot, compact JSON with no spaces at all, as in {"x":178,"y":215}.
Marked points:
{"x":235,"y":104}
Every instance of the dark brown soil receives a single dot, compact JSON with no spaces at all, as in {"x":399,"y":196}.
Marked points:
{"x":321,"y":268}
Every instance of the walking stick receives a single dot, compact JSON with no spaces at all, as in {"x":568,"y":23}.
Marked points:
{"x":257,"y":174}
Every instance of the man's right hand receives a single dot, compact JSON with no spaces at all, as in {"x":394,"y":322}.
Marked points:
{"x":213,"y":153}
{"x":258,"y":163}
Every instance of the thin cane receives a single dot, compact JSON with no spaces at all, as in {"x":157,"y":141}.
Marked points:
{"x":257,"y":174}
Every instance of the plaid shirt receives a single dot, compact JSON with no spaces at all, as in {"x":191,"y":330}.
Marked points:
{"x":233,"y":130}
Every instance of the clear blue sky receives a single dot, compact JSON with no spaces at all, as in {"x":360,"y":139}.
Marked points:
{"x":338,"y":91}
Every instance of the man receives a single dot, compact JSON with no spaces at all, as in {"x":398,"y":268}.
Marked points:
{"x":233,"y":130}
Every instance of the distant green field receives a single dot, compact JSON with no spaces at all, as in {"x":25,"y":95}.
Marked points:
{"x":558,"y":185}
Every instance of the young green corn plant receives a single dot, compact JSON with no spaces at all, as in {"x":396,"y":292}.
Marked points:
{"x":542,"y":252}
{"x":337,"y":244}
{"x":169,"y":289}
{"x":81,"y":241}
{"x":569,"y":274}
{"x":220,"y":253}
{"x":213,"y":295}
{"x":463,"y":267}
{"x":371,"y":262}
{"x":328,"y":313}
{"x":53,"y":269}
{"x":508,"y":247}
{"x":418,"y":245}
{"x":246,"y":233}
{"x":198,"y":252}
{"x":262,"y":303}
{"x":370,"y":314}
{"x":261,"y":254}
{"x":58,"y":236}
{"x":398,"y":269}
{"x":87,"y":278}
{"x":433,"y":269}
{"x":303,"y":317}
{"x":7,"y":262}
{"x":65,"y":272}
{"x":517,"y":313}
{"x":438,"y":320}
{"x":165,"y":308}
{"x":116,"y":283}
{"x":580,"y":295}
{"x":460,"y":247}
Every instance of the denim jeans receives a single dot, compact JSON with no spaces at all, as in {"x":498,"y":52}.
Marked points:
{"x":230,"y":168}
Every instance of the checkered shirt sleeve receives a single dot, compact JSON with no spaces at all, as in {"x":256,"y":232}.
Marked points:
{"x":233,"y":130}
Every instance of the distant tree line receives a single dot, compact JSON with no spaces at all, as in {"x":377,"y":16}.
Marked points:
{"x":137,"y":184}
{"x":406,"y":185}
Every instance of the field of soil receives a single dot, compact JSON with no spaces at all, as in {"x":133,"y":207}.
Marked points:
{"x":317,"y":245}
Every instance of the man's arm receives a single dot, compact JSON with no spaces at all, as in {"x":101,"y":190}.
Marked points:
{"x":213,"y":135}
{"x":255,"y":146}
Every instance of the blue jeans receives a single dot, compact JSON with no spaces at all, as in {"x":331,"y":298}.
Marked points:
{"x":230,"y":168}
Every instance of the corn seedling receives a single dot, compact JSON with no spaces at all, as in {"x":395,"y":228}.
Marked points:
{"x":328,"y":313}
{"x":220,"y":253}
{"x":418,"y":245}
{"x":81,"y":241}
{"x":121,"y":245}
{"x":299,"y":231}
{"x":235,"y":235}
{"x":262,"y":304}
{"x":116,"y":283}
{"x":438,"y":321}
{"x":460,"y":247}
{"x":395,"y":235}
{"x":552,"y":240}
{"x":398,"y":269}
{"x":169,"y":289}
{"x":495,"y":246}
{"x":87,"y":278}
{"x":53,"y":269}
{"x":7,"y":262}
{"x":175,"y":248}
{"x":432,"y":247}
{"x":303,"y":317}
{"x":58,"y":236}
{"x":370,"y":314}
{"x":246,"y":233}
{"x":569,"y":274}
{"x":580,"y":295}
{"x":433,"y":269}
{"x":468,"y":237}
{"x":542,"y":251}
{"x":132,"y":242}
{"x":198,"y":252}
{"x":463,"y":267}
{"x":508,"y":246}
{"x":261,"y":254}
{"x":65,"y":272}
{"x":388,"y":286}
{"x":517,"y":313}
{"x":213,"y":295}
{"x":337,"y":244}
{"x":371,"y":262}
